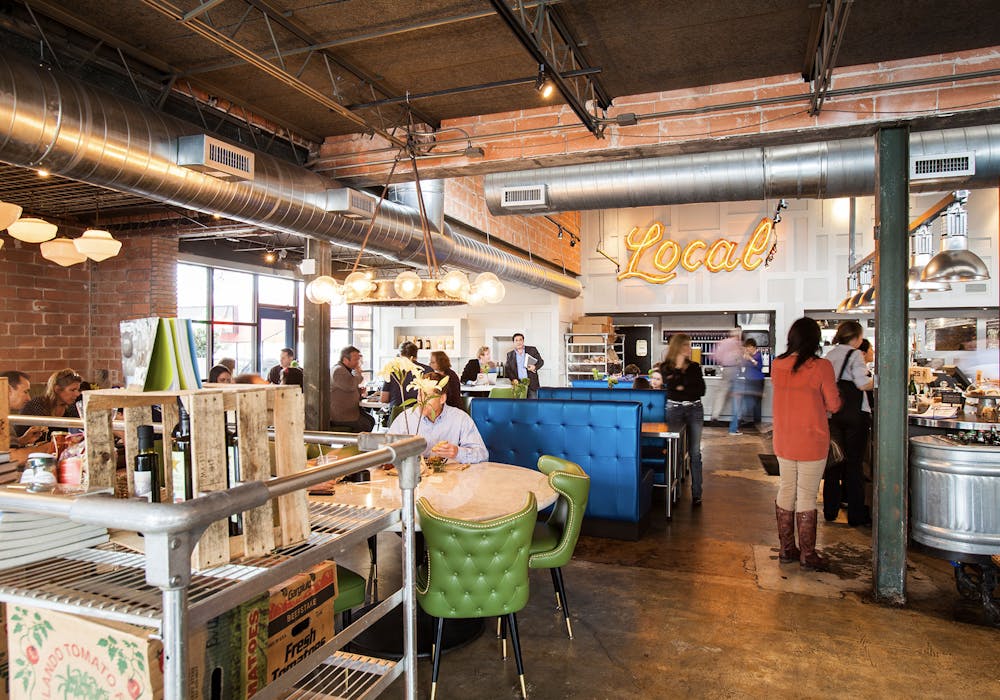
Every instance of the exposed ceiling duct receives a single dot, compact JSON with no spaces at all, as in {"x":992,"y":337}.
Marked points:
{"x":939,"y":160}
{"x":81,"y":132}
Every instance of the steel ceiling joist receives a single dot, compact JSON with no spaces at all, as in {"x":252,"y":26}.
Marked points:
{"x":547,"y":37}
{"x":827,"y":36}
{"x":210,"y":33}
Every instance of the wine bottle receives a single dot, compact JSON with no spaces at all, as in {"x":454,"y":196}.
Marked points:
{"x":180,"y":456}
{"x":233,"y":475}
{"x":146,"y":477}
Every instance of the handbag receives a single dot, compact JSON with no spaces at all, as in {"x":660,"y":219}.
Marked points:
{"x":850,"y":395}
{"x":836,"y":454}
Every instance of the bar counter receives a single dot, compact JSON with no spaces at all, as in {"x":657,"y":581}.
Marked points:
{"x":962,"y":421}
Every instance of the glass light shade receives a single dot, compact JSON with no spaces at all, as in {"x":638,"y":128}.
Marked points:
{"x":408,"y":284}
{"x":454,"y":284}
{"x":493,"y":292}
{"x":476,"y":296}
{"x":62,"y":252}
{"x":33,"y":230}
{"x":322,"y":290}
{"x":486,"y":277}
{"x":97,"y":244}
{"x":9,"y":213}
{"x":358,"y":285}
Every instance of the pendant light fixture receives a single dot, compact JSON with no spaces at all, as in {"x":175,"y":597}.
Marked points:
{"x":62,"y":252}
{"x":921,"y":250}
{"x":852,"y":288}
{"x":97,"y":244}
{"x":9,"y":213}
{"x":32,"y":230}
{"x":955,"y":262}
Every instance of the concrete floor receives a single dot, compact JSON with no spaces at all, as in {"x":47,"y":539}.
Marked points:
{"x":700,"y":607}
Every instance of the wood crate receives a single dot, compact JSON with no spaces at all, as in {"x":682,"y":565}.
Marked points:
{"x":256,"y":407}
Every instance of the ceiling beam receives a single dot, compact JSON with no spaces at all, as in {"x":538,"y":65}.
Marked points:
{"x":547,"y":39}
{"x":821,"y":56}
{"x":221,"y":40}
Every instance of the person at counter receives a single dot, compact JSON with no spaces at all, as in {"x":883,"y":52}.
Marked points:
{"x":345,"y":394}
{"x":746,"y":401}
{"x":850,"y":425}
{"x":804,"y":391}
{"x":685,"y":386}
{"x":727,"y":356}
{"x":18,"y":396}
{"x":523,"y":362}
{"x":441,"y":363}
{"x":482,"y":364}
{"x":59,"y":400}
{"x":449,"y":431}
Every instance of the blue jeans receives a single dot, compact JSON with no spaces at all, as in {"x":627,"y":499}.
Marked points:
{"x":693,"y":416}
{"x":746,"y":402}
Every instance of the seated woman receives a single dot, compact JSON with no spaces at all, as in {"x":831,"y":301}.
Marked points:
{"x":441,"y":363}
{"x":655,"y":379}
{"x":220,"y":374}
{"x":481,"y":365}
{"x":641,"y":383}
{"x":59,"y":400}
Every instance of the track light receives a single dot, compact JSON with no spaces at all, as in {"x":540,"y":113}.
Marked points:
{"x":560,"y":233}
{"x":270,"y":257}
{"x":543,"y":84}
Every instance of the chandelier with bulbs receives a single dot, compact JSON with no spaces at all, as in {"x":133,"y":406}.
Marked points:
{"x":408,"y":288}
{"x":94,"y":244}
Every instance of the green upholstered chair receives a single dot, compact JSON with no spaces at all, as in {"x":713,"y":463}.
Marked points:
{"x":351,"y":590}
{"x":475,"y":569}
{"x":553,"y":541}
{"x":502,"y":392}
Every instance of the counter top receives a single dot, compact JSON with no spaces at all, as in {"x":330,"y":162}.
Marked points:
{"x":962,"y":421}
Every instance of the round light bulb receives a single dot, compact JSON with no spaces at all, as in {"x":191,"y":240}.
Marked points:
{"x":494,"y":293}
{"x":476,"y":296}
{"x":455,"y":284}
{"x":408,"y":284}
{"x":358,"y":285}
{"x":322,"y":290}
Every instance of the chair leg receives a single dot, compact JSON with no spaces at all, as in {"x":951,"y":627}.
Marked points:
{"x":499,"y":623}
{"x":516,"y":642}
{"x":557,"y":580}
{"x":436,"y":656}
{"x":373,"y":569}
{"x":555,"y":587}
{"x":502,"y":621}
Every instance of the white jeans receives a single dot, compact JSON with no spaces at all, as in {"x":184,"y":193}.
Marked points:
{"x":799,"y":483}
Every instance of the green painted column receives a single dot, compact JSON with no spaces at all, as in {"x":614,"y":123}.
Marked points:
{"x":316,"y":344}
{"x":891,"y":363}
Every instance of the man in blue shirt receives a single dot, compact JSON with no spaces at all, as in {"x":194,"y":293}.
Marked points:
{"x":523,"y":362}
{"x":449,"y":431}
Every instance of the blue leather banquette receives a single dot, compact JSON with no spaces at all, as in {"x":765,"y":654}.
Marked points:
{"x":601,"y":436}
{"x":654,"y":410}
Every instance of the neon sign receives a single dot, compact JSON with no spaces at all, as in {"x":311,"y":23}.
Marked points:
{"x":721,"y":255}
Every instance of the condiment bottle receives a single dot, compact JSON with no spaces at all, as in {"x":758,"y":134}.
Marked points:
{"x":146,"y":476}
{"x":180,"y":456}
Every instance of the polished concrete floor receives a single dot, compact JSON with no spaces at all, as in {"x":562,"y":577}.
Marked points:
{"x":700,"y":607}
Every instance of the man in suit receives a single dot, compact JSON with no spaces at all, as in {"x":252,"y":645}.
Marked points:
{"x":523,"y":362}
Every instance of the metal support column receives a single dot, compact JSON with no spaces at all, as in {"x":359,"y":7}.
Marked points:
{"x":316,"y":344}
{"x":892,"y":363}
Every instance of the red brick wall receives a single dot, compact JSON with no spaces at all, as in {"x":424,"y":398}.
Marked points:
{"x":53,"y":317}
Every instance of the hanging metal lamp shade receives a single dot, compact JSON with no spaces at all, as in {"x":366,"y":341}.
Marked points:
{"x":955,"y":262}
{"x":921,"y":250}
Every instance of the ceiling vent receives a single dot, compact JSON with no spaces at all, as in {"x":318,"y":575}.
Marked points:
{"x":523,"y":197}
{"x":214,"y":157}
{"x":350,"y":203}
{"x":942,"y":166}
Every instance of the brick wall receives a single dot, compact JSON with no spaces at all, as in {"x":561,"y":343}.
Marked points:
{"x":53,"y":317}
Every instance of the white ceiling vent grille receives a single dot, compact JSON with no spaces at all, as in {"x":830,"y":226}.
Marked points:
{"x":214,"y":157}
{"x":350,"y":203}
{"x":523,"y":197}
{"x":941,"y":166}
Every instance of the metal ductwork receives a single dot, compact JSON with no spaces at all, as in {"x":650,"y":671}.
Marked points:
{"x":81,"y":132}
{"x":944,"y":159}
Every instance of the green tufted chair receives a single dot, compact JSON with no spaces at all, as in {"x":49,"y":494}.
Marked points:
{"x":502,"y":392}
{"x":475,"y":569}
{"x":554,"y":540}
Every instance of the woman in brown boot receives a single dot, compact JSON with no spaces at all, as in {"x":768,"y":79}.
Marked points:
{"x":804,"y":391}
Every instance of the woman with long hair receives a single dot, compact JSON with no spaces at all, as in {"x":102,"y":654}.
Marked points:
{"x":685,"y":386}
{"x":440,"y":362}
{"x":59,"y":400}
{"x":850,"y":425}
{"x":804,"y":391}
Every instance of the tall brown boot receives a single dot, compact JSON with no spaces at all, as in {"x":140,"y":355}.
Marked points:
{"x":809,"y":558}
{"x":787,"y":552}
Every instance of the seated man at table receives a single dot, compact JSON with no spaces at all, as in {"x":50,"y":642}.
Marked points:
{"x":18,"y":386}
{"x":346,"y":390}
{"x":449,"y":431}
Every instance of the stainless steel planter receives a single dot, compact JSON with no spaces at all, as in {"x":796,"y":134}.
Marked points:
{"x":955,"y":496}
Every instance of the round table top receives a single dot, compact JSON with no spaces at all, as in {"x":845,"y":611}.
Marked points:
{"x":477,"y":492}
{"x":477,"y":388}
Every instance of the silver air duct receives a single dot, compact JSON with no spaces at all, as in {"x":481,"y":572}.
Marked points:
{"x":944,"y":159}
{"x":75,"y":130}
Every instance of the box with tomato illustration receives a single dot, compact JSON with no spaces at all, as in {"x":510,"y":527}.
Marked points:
{"x":54,"y":655}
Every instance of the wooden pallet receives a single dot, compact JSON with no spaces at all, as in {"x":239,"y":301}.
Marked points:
{"x":255,"y":407}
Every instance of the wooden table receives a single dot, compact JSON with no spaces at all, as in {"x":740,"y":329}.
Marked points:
{"x":676,"y":461}
{"x":477,"y":389}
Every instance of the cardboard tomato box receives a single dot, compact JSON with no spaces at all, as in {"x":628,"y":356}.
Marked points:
{"x":300,"y":617}
{"x":54,"y":655}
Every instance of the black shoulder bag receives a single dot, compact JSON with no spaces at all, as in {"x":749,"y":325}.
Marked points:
{"x":850,"y":395}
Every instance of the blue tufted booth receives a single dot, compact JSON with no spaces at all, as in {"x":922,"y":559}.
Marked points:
{"x":601,"y":436}
{"x":598,"y":384}
{"x":654,"y":410}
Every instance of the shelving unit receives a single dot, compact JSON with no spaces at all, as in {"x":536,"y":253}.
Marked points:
{"x":586,"y":352}
{"x":159,"y":591}
{"x":444,"y":334}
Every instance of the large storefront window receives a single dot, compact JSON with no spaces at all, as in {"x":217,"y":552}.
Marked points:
{"x":249,"y":317}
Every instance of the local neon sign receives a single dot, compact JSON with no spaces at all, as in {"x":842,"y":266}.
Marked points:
{"x":721,"y":255}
